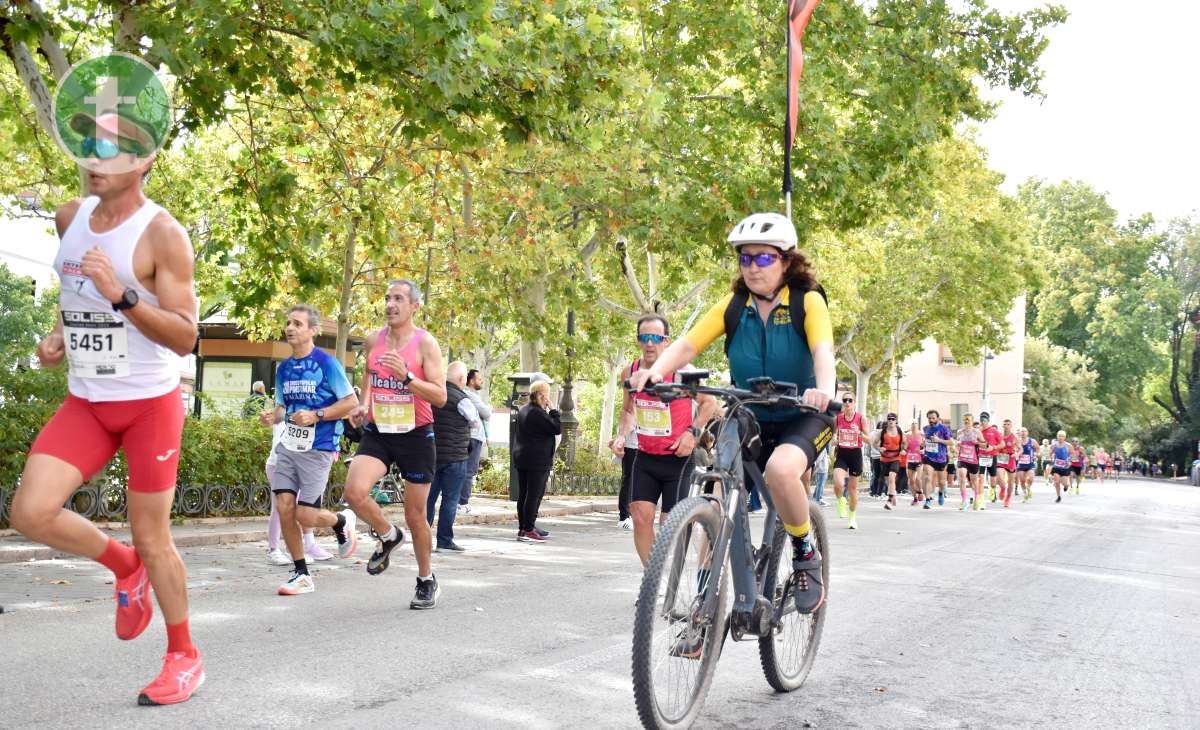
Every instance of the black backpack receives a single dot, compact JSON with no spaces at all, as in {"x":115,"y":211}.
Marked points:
{"x":733,"y":312}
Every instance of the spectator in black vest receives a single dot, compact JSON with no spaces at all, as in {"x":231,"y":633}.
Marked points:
{"x":452,"y":425}
{"x":533,"y":455}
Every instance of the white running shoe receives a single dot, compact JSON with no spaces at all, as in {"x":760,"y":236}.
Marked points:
{"x":346,"y":549}
{"x":626,"y":524}
{"x":297,"y":584}
{"x":278,"y":557}
{"x":315,"y":552}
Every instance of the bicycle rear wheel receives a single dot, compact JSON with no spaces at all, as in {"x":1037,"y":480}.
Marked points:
{"x":676,"y":646}
{"x":787,"y":655}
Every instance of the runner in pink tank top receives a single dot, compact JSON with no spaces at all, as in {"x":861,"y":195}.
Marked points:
{"x":403,"y":381}
{"x":970,"y":439}
{"x":393,"y":407}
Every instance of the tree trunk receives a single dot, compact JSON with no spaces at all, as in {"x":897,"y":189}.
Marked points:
{"x":534,"y":296}
{"x":614,"y":367}
{"x":343,"y":315}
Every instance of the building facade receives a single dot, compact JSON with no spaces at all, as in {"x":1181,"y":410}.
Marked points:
{"x":932,"y":379}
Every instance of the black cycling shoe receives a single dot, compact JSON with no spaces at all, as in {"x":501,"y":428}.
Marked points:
{"x":383,"y":552}
{"x":426,"y":595}
{"x":807,"y":588}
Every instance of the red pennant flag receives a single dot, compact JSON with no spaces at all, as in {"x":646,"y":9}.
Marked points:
{"x":799,"y":13}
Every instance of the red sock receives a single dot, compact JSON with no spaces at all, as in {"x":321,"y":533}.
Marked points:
{"x":121,"y":559}
{"x":179,"y":639}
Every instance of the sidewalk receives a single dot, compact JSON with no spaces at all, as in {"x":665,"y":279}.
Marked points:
{"x":223,"y":530}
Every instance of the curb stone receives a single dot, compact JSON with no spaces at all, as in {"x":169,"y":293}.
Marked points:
{"x":23,"y":554}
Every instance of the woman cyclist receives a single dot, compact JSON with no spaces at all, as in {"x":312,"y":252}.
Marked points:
{"x":772,"y":273}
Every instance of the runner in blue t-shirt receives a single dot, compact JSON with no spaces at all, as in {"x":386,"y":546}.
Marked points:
{"x":936,"y":438}
{"x":312,"y":396}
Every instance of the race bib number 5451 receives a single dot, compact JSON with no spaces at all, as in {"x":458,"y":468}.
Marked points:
{"x":97,"y":345}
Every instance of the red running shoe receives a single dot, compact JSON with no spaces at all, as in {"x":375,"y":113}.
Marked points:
{"x":181,"y":676}
{"x":134,"y":608}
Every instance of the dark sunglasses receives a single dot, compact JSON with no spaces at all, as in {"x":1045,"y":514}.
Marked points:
{"x":761,"y":260}
{"x":847,"y":400}
{"x":651,"y":339}
{"x":891,"y":420}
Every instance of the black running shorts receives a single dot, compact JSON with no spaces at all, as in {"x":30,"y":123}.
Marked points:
{"x":810,"y":432}
{"x":971,"y":469}
{"x":937,"y":466}
{"x":413,"y":453}
{"x":889,"y":467}
{"x":656,"y":476}
{"x":849,"y":459}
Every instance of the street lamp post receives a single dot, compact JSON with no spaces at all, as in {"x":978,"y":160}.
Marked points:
{"x":566,"y":403}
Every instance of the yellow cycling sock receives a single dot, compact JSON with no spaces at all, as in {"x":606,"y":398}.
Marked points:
{"x":798,"y":531}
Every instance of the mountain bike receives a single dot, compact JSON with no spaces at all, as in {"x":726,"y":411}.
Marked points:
{"x":683,"y":614}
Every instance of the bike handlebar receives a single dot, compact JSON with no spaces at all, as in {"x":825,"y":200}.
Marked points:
{"x":767,"y":392}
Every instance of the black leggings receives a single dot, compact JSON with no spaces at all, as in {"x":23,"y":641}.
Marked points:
{"x":529,"y":499}
{"x":626,"y":478}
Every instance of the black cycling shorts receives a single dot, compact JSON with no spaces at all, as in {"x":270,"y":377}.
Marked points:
{"x":937,"y":466}
{"x":656,"y":476}
{"x":914,"y":465}
{"x":989,"y":470}
{"x":1061,"y":471}
{"x":971,"y":469}
{"x":849,"y":459}
{"x":889,"y":467}
{"x":414,"y":453}
{"x":1076,"y":470}
{"x":810,"y":432}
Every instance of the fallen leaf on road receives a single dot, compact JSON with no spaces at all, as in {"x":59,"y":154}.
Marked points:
{"x":1063,"y":635}
{"x":881,"y":689}
{"x":60,"y":582}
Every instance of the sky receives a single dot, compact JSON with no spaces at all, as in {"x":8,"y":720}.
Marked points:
{"x":1122,"y":108}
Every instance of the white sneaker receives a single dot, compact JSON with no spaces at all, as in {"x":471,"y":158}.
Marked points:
{"x":278,"y":557}
{"x":297,"y":584}
{"x":626,"y":524}
{"x":346,"y":549}
{"x":822,"y":502}
{"x":317,"y":553}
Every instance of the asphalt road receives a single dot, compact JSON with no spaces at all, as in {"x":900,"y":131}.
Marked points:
{"x":1077,"y":615}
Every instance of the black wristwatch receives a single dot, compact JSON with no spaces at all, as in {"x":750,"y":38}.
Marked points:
{"x":694,"y":431}
{"x":407,"y":379}
{"x":320,"y":414}
{"x":129,"y":299}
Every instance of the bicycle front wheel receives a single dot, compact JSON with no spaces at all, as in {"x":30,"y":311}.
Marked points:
{"x":787,"y":654}
{"x":675,"y":643}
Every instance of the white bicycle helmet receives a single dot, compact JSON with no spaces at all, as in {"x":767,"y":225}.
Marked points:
{"x":771,"y":229}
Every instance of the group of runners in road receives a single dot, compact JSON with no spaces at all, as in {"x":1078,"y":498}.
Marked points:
{"x":985,"y":463}
{"x":128,"y":311}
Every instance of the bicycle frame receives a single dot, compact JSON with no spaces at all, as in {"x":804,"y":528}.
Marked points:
{"x":734,"y":538}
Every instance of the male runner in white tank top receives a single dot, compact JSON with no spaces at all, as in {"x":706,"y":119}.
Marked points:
{"x":128,"y":311}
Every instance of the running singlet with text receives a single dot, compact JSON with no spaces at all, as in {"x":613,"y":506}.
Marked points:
{"x":393,"y":407}
{"x":1062,"y":456}
{"x":659,"y":424}
{"x":966,"y":450}
{"x":309,"y":384}
{"x":849,"y":435}
{"x":936,"y":452}
{"x":913,"y":448}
